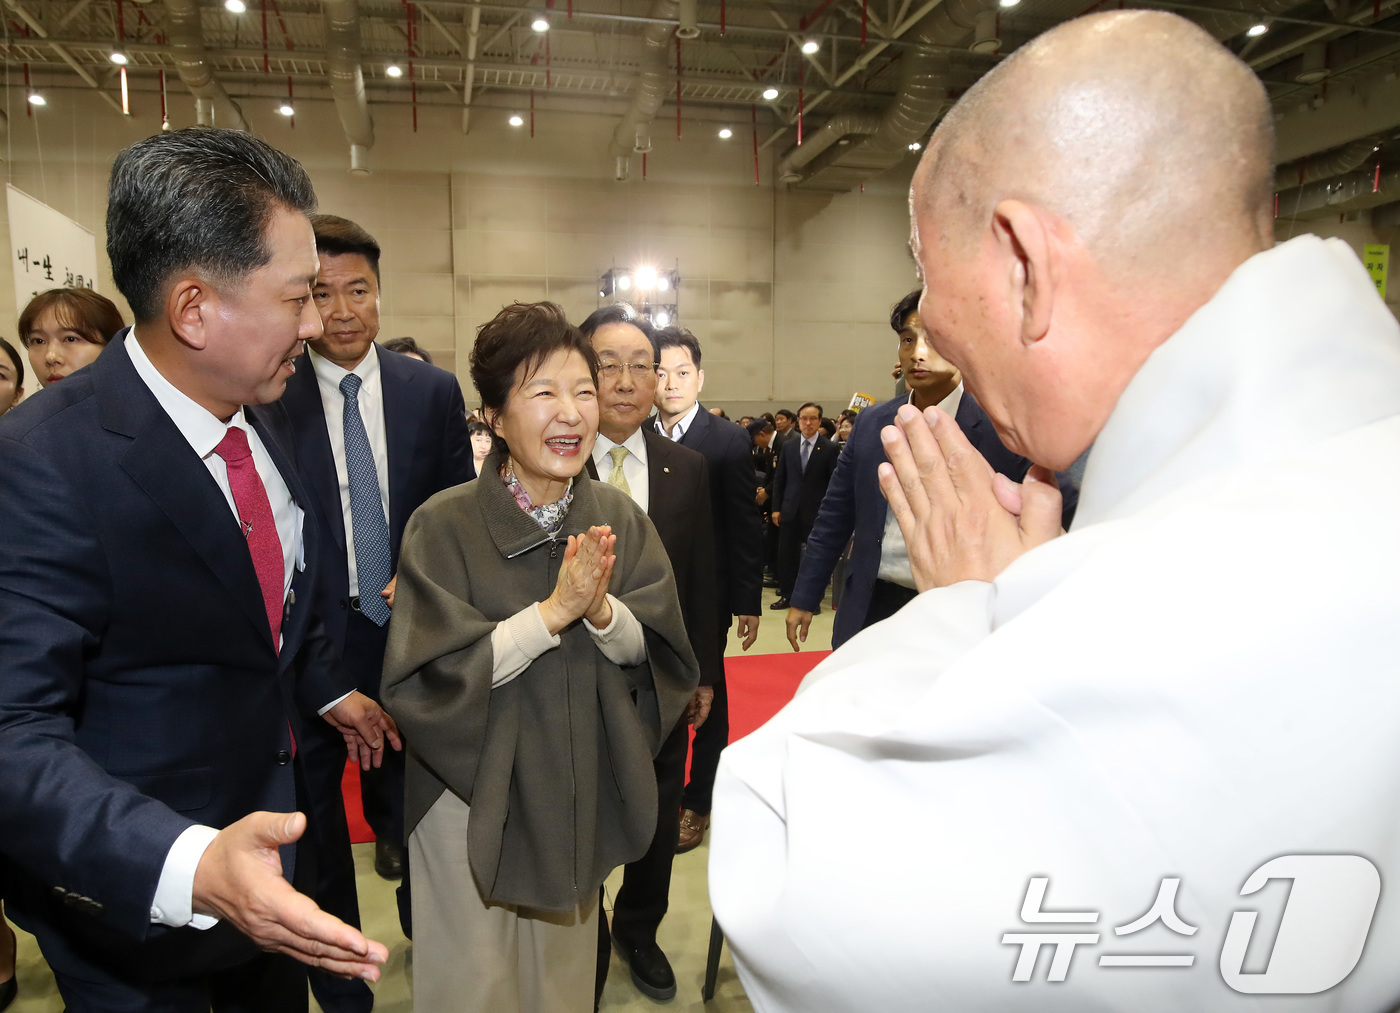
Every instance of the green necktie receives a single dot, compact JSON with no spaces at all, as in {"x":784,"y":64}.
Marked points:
{"x":617,"y":479}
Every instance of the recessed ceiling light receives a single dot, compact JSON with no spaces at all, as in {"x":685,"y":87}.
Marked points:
{"x":117,"y":57}
{"x":540,"y":24}
{"x":770,"y":93}
{"x":811,"y":46}
{"x":286,"y":110}
{"x":516,"y":120}
{"x":393,"y":70}
{"x":915,"y":146}
{"x":1257,"y":30}
{"x":35,"y":99}
{"x":235,"y":6}
{"x":1008,"y":3}
{"x":725,"y":133}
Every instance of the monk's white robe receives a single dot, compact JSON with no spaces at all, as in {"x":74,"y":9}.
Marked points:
{"x":1203,"y":675}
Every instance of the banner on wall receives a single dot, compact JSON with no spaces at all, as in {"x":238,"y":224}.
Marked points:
{"x":47,"y":249}
{"x":1378,"y":263}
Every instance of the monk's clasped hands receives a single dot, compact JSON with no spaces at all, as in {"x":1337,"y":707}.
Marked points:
{"x":960,"y":519}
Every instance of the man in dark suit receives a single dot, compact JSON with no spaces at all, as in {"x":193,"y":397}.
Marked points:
{"x":156,"y":587}
{"x":805,"y":467}
{"x":878,"y":581}
{"x":672,"y":484}
{"x":738,"y":543}
{"x":369,"y":458}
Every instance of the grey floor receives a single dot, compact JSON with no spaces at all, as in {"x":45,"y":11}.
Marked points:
{"x":684,"y":934}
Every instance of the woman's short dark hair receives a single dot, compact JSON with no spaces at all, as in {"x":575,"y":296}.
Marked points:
{"x":903,"y":308}
{"x":93,"y":316}
{"x":16,"y":357}
{"x":474,"y":427}
{"x":769,"y":417}
{"x":522,"y":335}
{"x":828,"y":426}
{"x":198,"y":199}
{"x":407,"y":346}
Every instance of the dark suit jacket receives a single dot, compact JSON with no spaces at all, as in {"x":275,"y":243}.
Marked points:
{"x":425,"y":428}
{"x":738,"y":528}
{"x":797,"y":494}
{"x":142,"y":692}
{"x":678,"y":506}
{"x":854,"y":505}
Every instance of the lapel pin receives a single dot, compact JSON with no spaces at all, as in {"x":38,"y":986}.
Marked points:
{"x":666,"y":470}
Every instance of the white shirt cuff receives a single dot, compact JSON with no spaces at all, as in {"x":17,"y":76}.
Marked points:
{"x":518,"y":641}
{"x":173,"y":903}
{"x":322,"y":711}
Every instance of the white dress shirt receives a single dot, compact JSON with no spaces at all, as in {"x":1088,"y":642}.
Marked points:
{"x":634,"y":465}
{"x":894,"y":553}
{"x":173,"y":901}
{"x":371,"y":403}
{"x":682,"y":424}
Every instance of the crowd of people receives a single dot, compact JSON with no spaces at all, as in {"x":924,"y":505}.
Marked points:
{"x":244,"y":540}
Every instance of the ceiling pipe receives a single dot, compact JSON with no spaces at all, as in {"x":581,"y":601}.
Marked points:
{"x":653,"y":83}
{"x":212,"y":104}
{"x":1324,"y":165}
{"x":1340,"y":195}
{"x":836,"y":128}
{"x":920,"y":99}
{"x":347,"y":80}
{"x":473,"y":36}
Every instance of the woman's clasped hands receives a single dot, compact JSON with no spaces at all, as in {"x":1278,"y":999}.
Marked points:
{"x":582,"y":586}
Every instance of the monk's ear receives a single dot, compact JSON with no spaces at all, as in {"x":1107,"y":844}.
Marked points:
{"x":1026,"y":252}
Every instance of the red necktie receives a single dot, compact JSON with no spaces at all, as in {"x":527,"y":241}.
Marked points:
{"x":255,"y":514}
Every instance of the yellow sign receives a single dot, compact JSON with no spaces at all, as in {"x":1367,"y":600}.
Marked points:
{"x":1377,"y":263}
{"x":859,"y":401}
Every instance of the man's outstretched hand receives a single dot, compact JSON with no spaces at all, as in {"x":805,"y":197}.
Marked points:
{"x":960,"y":519}
{"x":239,"y":880}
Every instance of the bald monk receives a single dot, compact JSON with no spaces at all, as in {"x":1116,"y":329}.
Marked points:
{"x":1076,"y":750}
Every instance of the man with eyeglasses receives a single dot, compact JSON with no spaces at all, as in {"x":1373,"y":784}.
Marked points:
{"x":671,"y":483}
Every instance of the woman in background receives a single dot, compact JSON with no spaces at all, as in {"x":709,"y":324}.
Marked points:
{"x":64,"y":329}
{"x":482,"y":444}
{"x":536,"y":660}
{"x":11,"y":383}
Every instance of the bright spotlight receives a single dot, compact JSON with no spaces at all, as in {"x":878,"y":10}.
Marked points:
{"x":118,"y":57}
{"x":1257,"y":30}
{"x":540,"y":24}
{"x":516,"y":120}
{"x":725,"y":133}
{"x":624,"y":282}
{"x":811,"y":46}
{"x":646,"y":278}
{"x":393,"y":70}
{"x":915,"y":146}
{"x":770,"y":93}
{"x":662,"y":318}
{"x":1008,"y":3}
{"x":235,"y":6}
{"x":35,"y":99}
{"x":662,"y":283}
{"x":286,"y":110}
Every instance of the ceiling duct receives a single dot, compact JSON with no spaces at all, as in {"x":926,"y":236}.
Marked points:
{"x":921,"y":97}
{"x":653,"y":83}
{"x":836,"y":128}
{"x":213,"y":107}
{"x":1356,"y":191}
{"x":347,"y":80}
{"x":1324,"y":165}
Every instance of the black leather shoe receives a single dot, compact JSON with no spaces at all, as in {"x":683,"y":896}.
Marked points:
{"x":651,"y":971}
{"x":770,"y":582}
{"x":781,"y":605}
{"x":388,"y":860}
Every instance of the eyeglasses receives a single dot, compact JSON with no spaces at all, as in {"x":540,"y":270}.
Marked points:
{"x":640,"y":370}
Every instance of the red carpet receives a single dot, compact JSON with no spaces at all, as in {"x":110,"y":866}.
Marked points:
{"x":759,"y":686}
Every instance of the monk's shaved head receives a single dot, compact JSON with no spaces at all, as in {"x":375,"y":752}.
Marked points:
{"x":1076,"y":206}
{"x":1137,"y":127}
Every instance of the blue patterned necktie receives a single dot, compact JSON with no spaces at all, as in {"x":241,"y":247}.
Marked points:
{"x":806,"y":453}
{"x":372,"y":559}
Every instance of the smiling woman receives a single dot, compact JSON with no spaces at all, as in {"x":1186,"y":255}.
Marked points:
{"x":537,"y":658}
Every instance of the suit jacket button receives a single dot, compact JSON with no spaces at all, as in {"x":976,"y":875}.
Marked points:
{"x":283,"y":757}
